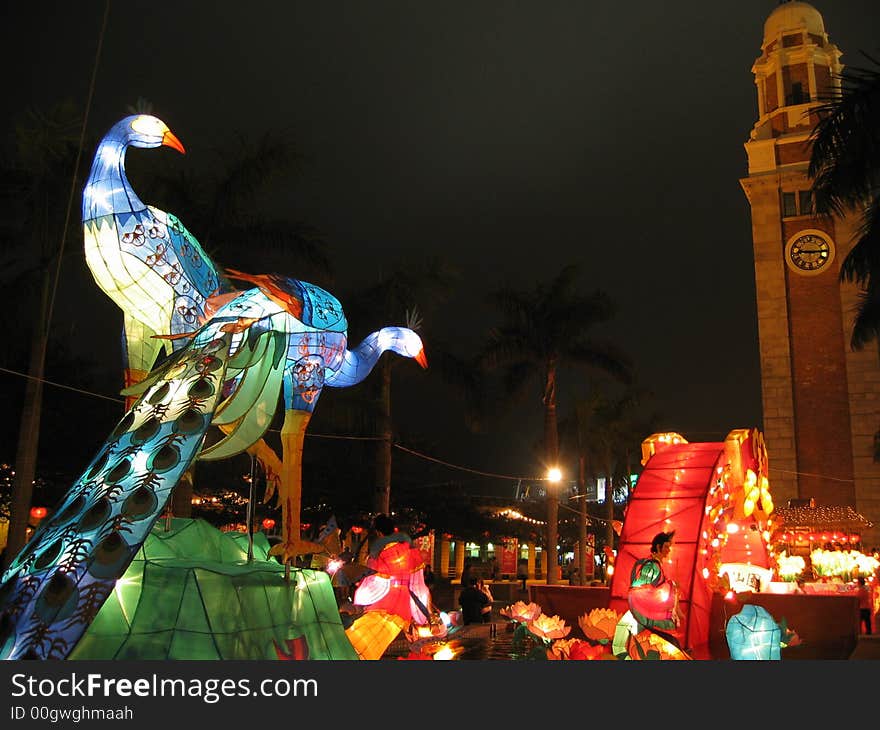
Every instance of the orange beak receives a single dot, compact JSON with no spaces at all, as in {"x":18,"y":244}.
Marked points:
{"x":421,"y":359}
{"x":169,"y":140}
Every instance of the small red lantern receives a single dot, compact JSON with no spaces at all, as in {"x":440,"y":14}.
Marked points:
{"x":268,"y":523}
{"x":447,"y":535}
{"x":357,"y":529}
{"x":855,"y":538}
{"x":38,"y":513}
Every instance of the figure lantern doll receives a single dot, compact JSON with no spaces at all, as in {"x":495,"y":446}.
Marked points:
{"x":653,"y":601}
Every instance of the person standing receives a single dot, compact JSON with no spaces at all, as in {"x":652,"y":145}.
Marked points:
{"x":472,"y":601}
{"x":485,"y":611}
{"x":865,"y":607}
{"x":465,"y":578}
{"x":428,"y":575}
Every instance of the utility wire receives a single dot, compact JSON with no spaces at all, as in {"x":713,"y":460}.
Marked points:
{"x":807,"y":474}
{"x":60,"y":385}
{"x":464,"y":468}
{"x":312,"y":435}
{"x":381,"y":438}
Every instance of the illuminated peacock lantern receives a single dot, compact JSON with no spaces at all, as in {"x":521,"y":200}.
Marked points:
{"x":233,"y":355}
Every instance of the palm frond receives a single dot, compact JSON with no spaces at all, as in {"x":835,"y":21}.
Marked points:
{"x":845,"y":156}
{"x":864,"y":257}
{"x":604,"y":357}
{"x":866,"y":324}
{"x":140,"y":106}
{"x":517,"y":376}
{"x":249,"y":168}
{"x":505,"y":347}
{"x":586,"y":311}
{"x":413,"y":319}
{"x":283,"y":238}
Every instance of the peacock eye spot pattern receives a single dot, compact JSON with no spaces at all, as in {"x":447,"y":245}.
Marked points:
{"x":146,"y":431}
{"x":140,"y":504}
{"x":201,"y":388}
{"x":111,"y":557}
{"x":159,"y":394}
{"x":164,"y":459}
{"x":57,"y":600}
{"x":99,"y":464}
{"x":73,"y":509}
{"x":96,"y":515}
{"x":48,"y":556}
{"x":209,"y":364}
{"x":190,"y":421}
{"x":118,"y":472}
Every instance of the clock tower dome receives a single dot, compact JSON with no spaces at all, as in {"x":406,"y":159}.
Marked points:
{"x":820,"y":398}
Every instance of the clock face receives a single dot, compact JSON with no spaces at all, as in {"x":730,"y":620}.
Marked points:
{"x":809,"y":252}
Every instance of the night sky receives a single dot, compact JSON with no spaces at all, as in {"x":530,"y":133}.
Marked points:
{"x":511,"y":138}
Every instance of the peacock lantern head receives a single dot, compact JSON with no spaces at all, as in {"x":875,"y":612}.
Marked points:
{"x":403,"y":342}
{"x":146,"y":131}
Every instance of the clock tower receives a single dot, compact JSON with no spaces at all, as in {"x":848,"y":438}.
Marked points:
{"x":820,"y":398}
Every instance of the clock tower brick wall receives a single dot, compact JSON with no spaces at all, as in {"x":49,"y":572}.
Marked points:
{"x":821,"y":400}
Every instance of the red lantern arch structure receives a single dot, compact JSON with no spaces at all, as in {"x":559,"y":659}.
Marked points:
{"x":716,"y":498}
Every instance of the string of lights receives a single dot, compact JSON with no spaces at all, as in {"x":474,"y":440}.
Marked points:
{"x":380,"y":438}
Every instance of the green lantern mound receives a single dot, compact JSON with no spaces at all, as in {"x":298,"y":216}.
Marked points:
{"x":190,"y":593}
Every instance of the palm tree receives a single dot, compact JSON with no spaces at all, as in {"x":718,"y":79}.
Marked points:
{"x":409,"y":290}
{"x":845,"y":169}
{"x":37,"y":189}
{"x":609,"y":431}
{"x":543,"y":330}
{"x":228,"y":206}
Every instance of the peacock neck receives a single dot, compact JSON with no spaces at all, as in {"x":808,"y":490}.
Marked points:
{"x":358,"y":362}
{"x":107,"y":190}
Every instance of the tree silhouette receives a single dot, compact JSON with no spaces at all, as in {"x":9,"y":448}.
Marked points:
{"x":543,"y":330}
{"x":845,"y":169}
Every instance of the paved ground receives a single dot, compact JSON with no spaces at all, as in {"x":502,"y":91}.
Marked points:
{"x":867,"y":648}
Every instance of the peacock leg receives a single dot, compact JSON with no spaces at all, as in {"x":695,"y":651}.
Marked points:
{"x":290,"y":488}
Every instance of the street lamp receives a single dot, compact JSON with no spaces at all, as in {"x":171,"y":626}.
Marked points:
{"x":554,"y":476}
